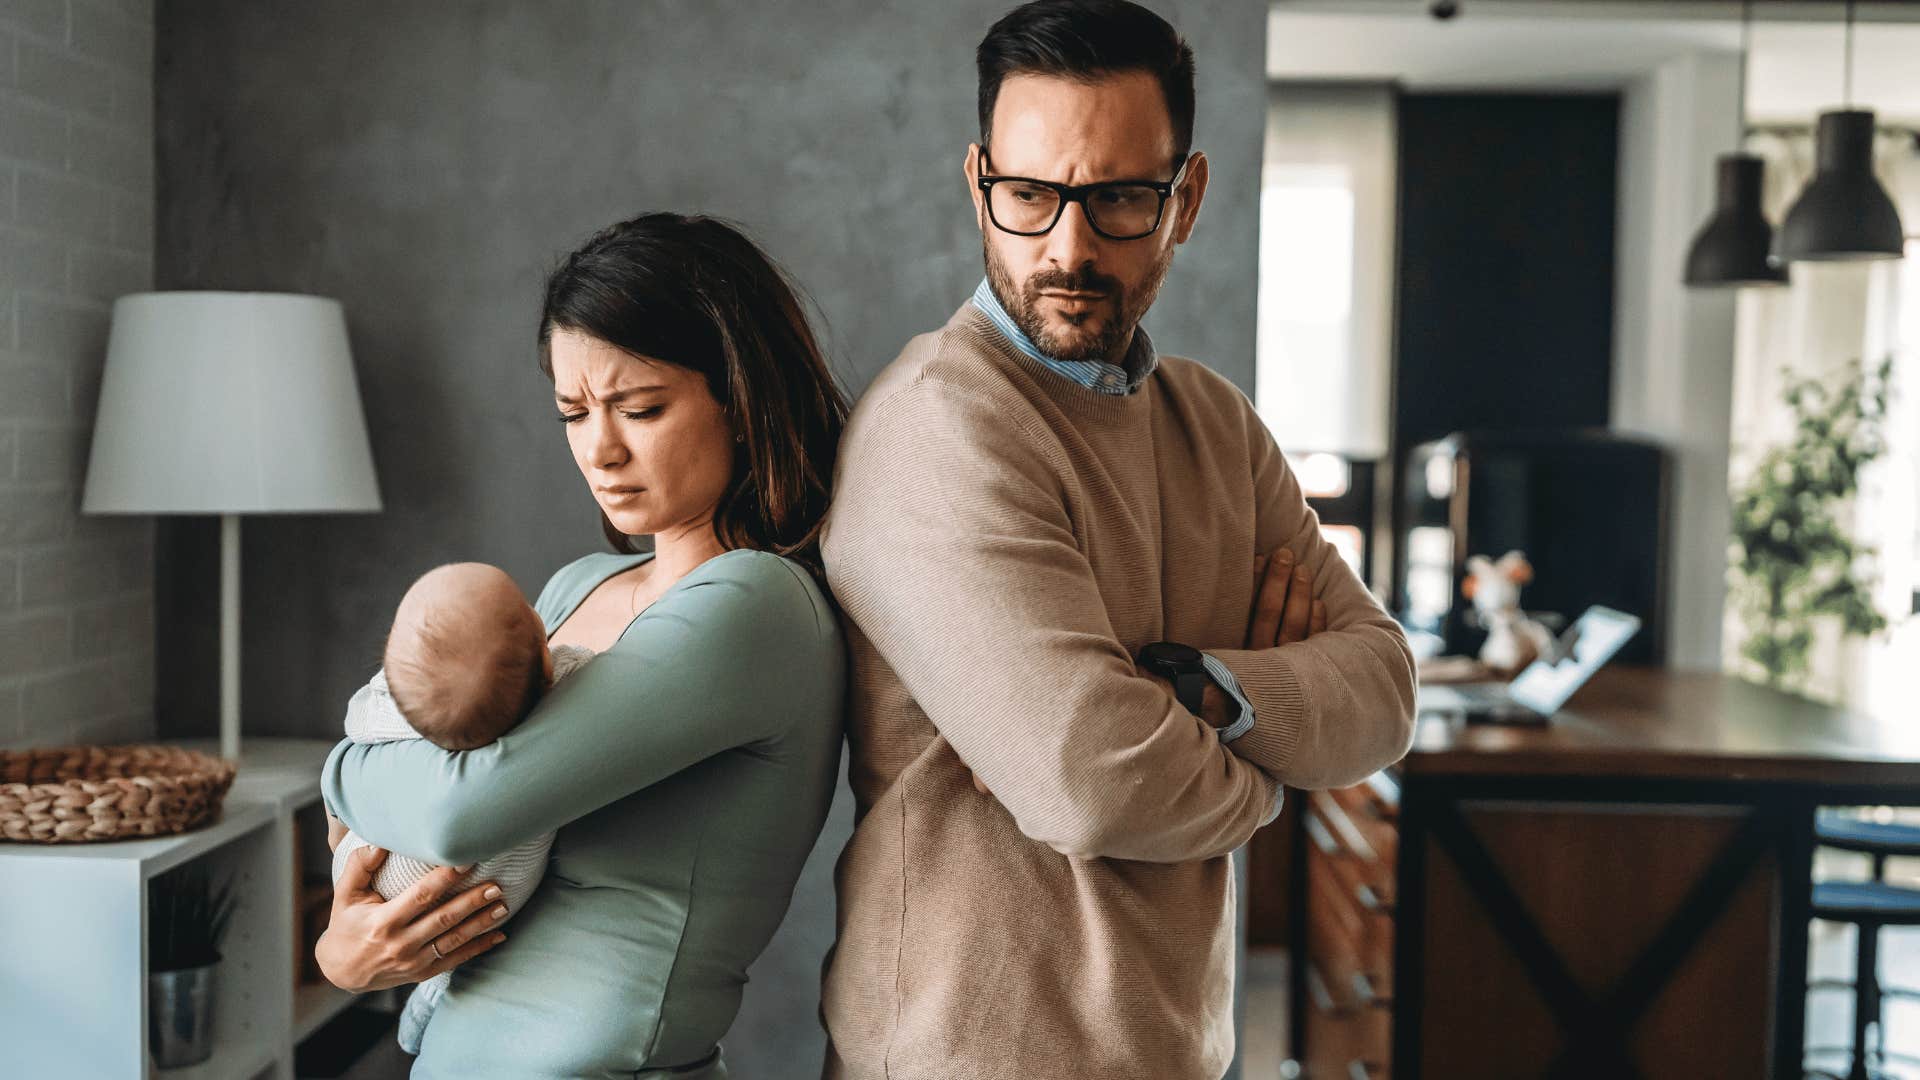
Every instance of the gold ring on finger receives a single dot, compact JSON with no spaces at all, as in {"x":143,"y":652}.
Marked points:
{"x":435,"y":946}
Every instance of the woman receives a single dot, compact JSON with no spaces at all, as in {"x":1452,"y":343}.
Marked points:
{"x":689,"y":766}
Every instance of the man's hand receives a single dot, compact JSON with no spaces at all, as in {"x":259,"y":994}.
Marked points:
{"x":1284,"y":610}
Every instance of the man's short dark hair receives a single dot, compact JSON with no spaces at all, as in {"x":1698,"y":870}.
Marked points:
{"x":1085,"y":40}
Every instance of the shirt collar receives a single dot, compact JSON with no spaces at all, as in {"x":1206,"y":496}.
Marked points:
{"x":1096,"y":375}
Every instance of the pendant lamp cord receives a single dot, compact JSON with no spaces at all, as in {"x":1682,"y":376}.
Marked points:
{"x":1849,"y":101}
{"x":1746,"y":46}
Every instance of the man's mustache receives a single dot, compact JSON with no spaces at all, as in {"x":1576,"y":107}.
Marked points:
{"x":1072,"y":281}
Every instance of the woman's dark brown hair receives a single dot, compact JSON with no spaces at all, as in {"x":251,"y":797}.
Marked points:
{"x":694,"y":292}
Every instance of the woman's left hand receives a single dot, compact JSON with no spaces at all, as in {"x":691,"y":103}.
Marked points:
{"x":372,"y":944}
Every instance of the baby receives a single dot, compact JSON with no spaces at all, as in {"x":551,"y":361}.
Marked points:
{"x":465,"y":661}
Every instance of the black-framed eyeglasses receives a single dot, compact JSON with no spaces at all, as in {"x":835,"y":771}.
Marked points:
{"x":1117,"y":209}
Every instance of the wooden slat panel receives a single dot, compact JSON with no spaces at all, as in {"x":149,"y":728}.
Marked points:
{"x":1333,"y":939}
{"x":1335,"y":1036}
{"x":1350,"y":949}
{"x":1372,"y":841}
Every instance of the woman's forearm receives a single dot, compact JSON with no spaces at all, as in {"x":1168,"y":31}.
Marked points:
{"x":383,"y":801}
{"x":709,"y":667}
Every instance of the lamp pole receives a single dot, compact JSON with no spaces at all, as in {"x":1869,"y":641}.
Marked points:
{"x":230,"y":637}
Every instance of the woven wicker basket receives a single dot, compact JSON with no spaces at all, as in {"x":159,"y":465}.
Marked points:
{"x":83,"y":794}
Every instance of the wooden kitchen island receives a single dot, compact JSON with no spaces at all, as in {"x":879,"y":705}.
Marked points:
{"x":1623,"y":893}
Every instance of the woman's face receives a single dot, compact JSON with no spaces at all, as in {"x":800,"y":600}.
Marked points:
{"x":649,"y":437}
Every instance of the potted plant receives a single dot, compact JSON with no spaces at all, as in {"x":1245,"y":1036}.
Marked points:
{"x":187,"y":917}
{"x":1794,"y":561}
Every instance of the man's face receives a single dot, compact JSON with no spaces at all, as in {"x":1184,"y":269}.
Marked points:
{"x":1075,"y":293}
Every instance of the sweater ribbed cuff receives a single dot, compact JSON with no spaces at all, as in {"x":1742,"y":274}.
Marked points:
{"x":1279,"y":803}
{"x":1280,"y":706}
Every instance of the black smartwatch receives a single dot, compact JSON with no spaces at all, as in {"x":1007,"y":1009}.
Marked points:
{"x":1182,"y":666}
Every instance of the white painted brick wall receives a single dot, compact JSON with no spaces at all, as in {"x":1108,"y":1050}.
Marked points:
{"x":76,"y":231}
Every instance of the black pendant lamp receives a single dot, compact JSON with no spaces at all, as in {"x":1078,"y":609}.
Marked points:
{"x":1735,"y":246}
{"x":1844,"y":214}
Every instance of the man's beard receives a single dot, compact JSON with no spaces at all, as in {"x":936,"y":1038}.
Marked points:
{"x":1108,"y":345}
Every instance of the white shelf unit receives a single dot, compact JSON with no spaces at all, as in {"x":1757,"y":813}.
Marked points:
{"x":73,"y":937}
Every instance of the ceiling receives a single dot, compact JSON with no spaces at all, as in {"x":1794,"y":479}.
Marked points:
{"x":1794,"y":72}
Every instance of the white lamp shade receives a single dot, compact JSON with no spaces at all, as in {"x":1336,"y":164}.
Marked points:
{"x":229,"y":403}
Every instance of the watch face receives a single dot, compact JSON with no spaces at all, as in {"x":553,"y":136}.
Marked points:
{"x":1170,"y":652}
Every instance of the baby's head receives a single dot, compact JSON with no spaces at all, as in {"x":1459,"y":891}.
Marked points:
{"x":467,"y":656}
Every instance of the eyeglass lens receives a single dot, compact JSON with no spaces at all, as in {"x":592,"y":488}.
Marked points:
{"x":1123,"y":211}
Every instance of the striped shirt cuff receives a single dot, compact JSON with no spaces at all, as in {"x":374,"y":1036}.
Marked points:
{"x":1223,"y":678}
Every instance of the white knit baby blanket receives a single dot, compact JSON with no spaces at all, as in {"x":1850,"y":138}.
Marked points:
{"x":373,"y":717}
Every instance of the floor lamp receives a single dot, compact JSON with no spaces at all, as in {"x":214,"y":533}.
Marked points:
{"x":229,"y":404}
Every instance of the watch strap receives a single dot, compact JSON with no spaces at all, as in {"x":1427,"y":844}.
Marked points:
{"x":1190,"y":687}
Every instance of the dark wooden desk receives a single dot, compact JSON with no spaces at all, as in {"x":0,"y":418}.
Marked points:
{"x":1624,"y":893}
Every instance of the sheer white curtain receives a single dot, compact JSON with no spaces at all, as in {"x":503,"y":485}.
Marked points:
{"x":1830,"y":315}
{"x":1325,"y":318}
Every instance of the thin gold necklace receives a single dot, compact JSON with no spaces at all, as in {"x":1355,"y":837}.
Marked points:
{"x":633,"y":597}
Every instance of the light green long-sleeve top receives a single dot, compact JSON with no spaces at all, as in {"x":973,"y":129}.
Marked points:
{"x":688,"y":770}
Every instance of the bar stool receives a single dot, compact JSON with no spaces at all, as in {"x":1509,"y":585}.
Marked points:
{"x":1869,"y":906}
{"x":1869,"y":837}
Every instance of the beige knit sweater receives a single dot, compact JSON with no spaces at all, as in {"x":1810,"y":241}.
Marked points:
{"x":1003,"y":541}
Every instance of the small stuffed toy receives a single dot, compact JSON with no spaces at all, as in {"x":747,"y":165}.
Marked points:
{"x":1513,"y":639}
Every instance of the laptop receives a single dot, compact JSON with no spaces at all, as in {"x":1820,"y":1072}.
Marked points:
{"x":1539,"y":691}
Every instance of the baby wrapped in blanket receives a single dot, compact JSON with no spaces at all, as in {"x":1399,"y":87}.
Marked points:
{"x":466,"y":660}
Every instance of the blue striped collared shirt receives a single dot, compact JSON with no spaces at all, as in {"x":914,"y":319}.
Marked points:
{"x":1096,"y":375}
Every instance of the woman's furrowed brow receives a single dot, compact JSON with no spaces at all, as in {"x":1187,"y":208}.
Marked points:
{"x":611,"y":398}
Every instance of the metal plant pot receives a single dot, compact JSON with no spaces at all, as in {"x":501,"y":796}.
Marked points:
{"x":180,"y":1015}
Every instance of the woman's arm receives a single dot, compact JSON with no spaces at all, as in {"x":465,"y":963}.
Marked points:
{"x":718,"y":662}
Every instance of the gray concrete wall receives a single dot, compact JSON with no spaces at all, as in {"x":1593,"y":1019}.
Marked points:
{"x":76,"y":231}
{"x":425,"y":164}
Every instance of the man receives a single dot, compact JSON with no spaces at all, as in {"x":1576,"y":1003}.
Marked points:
{"x":1026,"y":498}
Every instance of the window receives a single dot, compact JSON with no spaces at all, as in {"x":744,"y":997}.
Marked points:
{"x":1326,"y":269}
{"x":1891,"y":520}
{"x":1325,"y":297}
